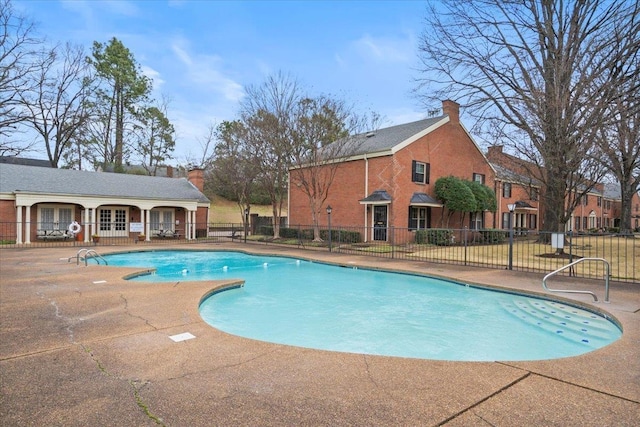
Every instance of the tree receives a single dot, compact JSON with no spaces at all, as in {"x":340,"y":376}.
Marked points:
{"x":321,"y":129}
{"x":620,"y":146}
{"x":233,"y":173}
{"x":156,"y":138}
{"x":121,"y":87}
{"x":266,"y":113}
{"x":57,"y":102}
{"x":456,"y":196}
{"x":485,"y":197}
{"x":18,"y":46}
{"x":541,"y":74}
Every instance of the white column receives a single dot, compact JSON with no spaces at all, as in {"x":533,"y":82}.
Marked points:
{"x":86,"y":222}
{"x":187,"y":225}
{"x":146,"y":215}
{"x":18,"y":225}
{"x":27,"y":222}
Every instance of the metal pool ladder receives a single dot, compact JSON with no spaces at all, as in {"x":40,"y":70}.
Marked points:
{"x":88,"y":252}
{"x":595,"y":298}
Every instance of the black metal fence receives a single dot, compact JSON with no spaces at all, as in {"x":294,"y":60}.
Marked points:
{"x":520,"y":251}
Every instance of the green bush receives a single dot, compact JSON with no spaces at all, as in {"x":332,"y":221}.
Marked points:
{"x":492,"y":235}
{"x":337,"y":236}
{"x":435,"y":236}
{"x":341,"y":236}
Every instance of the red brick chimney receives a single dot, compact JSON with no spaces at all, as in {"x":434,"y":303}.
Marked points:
{"x":451,"y":109}
{"x":196,"y":177}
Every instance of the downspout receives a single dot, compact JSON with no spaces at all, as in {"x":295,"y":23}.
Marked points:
{"x":366,"y":193}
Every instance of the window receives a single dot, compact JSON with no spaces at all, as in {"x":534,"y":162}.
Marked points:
{"x":585,"y":200}
{"x":417,"y":218}
{"x":599,"y":199}
{"x":160,"y":219}
{"x":478,"y":177}
{"x":533,"y":193}
{"x":505,"y":220}
{"x":420,"y":172}
{"x":585,"y":223}
{"x":598,"y":222}
{"x":577,"y":225}
{"x":54,"y":217}
{"x":506,"y":190}
{"x":533,"y":221}
{"x":477,"y":221}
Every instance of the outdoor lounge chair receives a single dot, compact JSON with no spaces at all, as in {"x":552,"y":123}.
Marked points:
{"x":54,"y":235}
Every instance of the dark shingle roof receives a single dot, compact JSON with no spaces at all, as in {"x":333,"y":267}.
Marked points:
{"x":387,"y":138}
{"x":24,"y":161}
{"x":378,"y":196}
{"x":18,"y":178}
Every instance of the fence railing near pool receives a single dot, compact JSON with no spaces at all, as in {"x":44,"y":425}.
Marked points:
{"x":523,"y":250}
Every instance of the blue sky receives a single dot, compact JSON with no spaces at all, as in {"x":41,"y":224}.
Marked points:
{"x":202,"y":54}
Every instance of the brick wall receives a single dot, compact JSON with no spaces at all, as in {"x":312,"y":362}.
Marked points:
{"x":448,"y":150}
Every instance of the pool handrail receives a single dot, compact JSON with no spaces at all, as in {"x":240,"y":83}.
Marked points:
{"x":595,"y":297}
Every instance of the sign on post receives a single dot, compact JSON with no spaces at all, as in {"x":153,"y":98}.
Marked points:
{"x":557,"y":240}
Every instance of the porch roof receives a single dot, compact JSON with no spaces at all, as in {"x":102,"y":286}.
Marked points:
{"x":378,"y":197}
{"x":423,"y":199}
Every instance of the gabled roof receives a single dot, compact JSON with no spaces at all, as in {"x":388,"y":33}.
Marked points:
{"x":378,"y":197}
{"x":388,"y":139}
{"x":29,"y":179}
{"x":508,"y":175}
{"x":423,"y":199}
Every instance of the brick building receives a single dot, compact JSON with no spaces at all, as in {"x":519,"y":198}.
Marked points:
{"x":388,"y":181}
{"x":596,"y":210}
{"x":40,"y":203}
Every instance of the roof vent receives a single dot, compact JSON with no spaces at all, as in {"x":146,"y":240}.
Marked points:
{"x":370,"y":134}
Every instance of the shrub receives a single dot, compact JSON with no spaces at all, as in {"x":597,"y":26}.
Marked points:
{"x":492,"y":235}
{"x":341,"y":236}
{"x":435,"y":236}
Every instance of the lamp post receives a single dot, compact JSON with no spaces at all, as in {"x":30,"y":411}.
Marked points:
{"x":329,"y":219}
{"x":512,"y":208}
{"x":246,"y":223}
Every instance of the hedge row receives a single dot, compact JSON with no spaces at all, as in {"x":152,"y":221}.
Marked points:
{"x":337,"y":236}
{"x":446,"y":237}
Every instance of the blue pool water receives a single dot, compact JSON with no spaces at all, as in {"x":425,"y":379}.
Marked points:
{"x":319,"y":306}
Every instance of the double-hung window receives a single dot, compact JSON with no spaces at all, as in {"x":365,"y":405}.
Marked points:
{"x":506,"y":190}
{"x":479,"y":178}
{"x":417,"y":218}
{"x":420,"y":172}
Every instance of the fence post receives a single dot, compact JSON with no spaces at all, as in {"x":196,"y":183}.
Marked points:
{"x":392,"y":232}
{"x":465,"y":245}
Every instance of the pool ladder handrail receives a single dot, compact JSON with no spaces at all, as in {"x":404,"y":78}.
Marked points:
{"x":88,"y":252}
{"x":595,"y":297}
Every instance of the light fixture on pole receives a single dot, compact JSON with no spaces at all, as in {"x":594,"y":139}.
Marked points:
{"x":246,"y":222}
{"x":329,"y":219}
{"x":512,"y":208}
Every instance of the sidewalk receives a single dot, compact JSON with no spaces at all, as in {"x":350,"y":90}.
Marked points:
{"x":82,"y":346}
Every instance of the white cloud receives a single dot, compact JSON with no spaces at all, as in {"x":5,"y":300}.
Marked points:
{"x":205,"y":71}
{"x":154,"y":76}
{"x":384,"y":49}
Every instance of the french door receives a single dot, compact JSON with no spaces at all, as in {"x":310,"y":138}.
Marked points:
{"x":112,"y":222}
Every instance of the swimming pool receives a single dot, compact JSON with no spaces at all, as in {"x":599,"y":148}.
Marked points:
{"x":314,"y":305}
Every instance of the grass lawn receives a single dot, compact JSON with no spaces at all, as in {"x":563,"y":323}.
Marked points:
{"x":223,"y":211}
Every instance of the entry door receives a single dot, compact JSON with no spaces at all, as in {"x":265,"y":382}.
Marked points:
{"x":380,"y":222}
{"x":112,"y":222}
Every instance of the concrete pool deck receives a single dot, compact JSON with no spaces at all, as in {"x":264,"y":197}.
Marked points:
{"x":81,"y":346}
